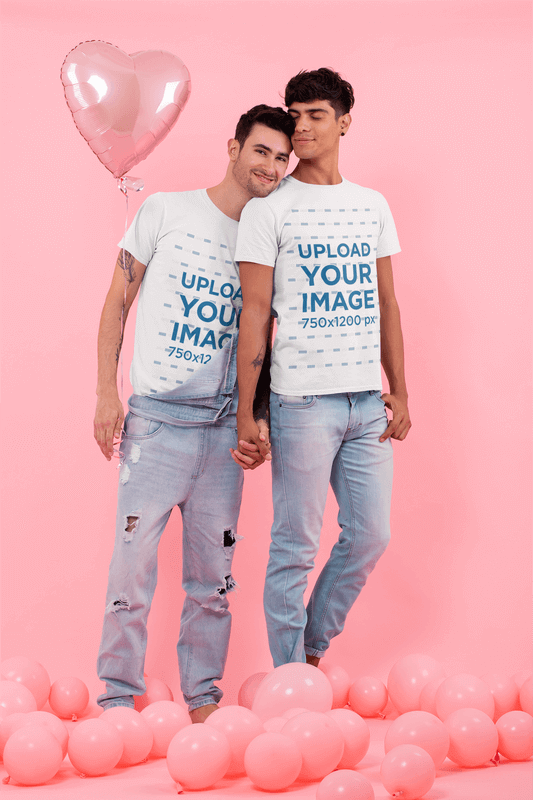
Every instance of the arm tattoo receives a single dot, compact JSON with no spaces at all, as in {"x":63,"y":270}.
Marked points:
{"x":119,"y":348}
{"x":128,"y":270}
{"x":258,"y":360}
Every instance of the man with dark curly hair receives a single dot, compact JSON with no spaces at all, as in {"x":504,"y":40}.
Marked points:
{"x":319,"y":252}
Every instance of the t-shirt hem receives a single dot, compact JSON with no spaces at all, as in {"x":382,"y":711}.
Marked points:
{"x":321,"y":390}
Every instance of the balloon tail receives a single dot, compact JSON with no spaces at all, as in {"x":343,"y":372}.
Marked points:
{"x":136,"y":185}
{"x":179,"y":788}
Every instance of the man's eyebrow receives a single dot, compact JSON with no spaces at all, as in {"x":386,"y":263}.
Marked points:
{"x":266,"y":147}
{"x":309,"y":110}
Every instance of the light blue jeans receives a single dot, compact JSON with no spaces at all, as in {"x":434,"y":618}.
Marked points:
{"x":163,"y":466}
{"x":317,"y":440}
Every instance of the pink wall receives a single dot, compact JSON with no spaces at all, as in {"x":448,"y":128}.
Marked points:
{"x":442,"y":127}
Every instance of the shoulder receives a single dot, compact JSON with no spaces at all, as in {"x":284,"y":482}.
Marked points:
{"x":173,"y":199}
{"x":364,"y":194}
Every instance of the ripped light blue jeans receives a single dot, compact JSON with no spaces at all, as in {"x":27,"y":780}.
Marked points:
{"x":317,"y":440}
{"x":167,"y":465}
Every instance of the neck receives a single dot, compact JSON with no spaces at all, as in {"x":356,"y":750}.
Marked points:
{"x":229,"y":197}
{"x":324,"y":171}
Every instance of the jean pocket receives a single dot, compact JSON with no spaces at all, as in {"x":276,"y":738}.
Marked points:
{"x":136,"y":427}
{"x":377,"y":394}
{"x":296,"y":401}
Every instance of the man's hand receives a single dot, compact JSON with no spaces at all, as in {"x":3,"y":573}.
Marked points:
{"x":108,"y":421}
{"x":399,"y":425}
{"x":251,"y":454}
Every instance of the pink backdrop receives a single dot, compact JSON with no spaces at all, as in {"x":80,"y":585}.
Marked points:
{"x":442,"y":127}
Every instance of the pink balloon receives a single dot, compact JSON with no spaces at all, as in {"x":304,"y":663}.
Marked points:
{"x":15,"y":698}
{"x":11,"y":724}
{"x":123,"y":105}
{"x":340,"y":682}
{"x":345,"y":784}
{"x":292,"y":685}
{"x":320,"y":741}
{"x":408,"y":677}
{"x":356,"y":735}
{"x":272,"y":761}
{"x":32,"y":755}
{"x":515,"y":735}
{"x":30,"y":674}
{"x":293,"y":712}
{"x":165,"y":719}
{"x":274,"y":724}
{"x":155,"y":690}
{"x":421,"y":729}
{"x":504,"y":692}
{"x":69,"y":697}
{"x":526,"y":696}
{"x":50,"y":721}
{"x":249,"y":688}
{"x":521,"y":677}
{"x":95,"y":747}
{"x":241,"y":726}
{"x":463,"y":691}
{"x":198,"y":756}
{"x":137,"y":736}
{"x":368,"y":696}
{"x":473,"y":737}
{"x":407,"y":771}
{"x":427,"y":696}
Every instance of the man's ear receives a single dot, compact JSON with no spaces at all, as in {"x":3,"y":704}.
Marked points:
{"x":345,"y":122}
{"x":233,"y":149}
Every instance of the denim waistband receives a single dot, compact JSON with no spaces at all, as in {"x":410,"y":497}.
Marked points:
{"x":184,"y":413}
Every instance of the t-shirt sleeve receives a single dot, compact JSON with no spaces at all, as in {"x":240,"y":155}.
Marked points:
{"x":257,"y":239}
{"x":388,"y":242}
{"x":141,"y":237}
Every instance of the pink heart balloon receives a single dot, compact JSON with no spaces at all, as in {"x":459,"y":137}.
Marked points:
{"x":123,"y":105}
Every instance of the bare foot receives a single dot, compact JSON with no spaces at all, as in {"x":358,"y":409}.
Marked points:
{"x":202,"y":713}
{"x":313,"y":660}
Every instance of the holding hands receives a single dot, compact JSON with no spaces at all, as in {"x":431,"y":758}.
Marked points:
{"x":254,"y":444}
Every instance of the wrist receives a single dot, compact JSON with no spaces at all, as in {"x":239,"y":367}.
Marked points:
{"x":107,"y":392}
{"x":399,"y":394}
{"x":244,"y":417}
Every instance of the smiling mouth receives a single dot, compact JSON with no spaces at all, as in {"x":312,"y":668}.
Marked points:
{"x":263,"y":178}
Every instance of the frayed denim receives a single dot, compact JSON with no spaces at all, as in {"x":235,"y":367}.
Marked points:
{"x":163,"y":466}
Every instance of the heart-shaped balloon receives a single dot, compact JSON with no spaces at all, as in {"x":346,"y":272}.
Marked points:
{"x":123,"y":105}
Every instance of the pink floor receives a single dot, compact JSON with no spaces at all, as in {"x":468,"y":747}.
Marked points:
{"x":150,"y":781}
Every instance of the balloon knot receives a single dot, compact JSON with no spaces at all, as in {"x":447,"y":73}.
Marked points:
{"x":179,"y":788}
{"x":381,"y":715}
{"x":83,"y":775}
{"x":5,"y":780}
{"x":127,"y":182}
{"x":496,"y":759}
{"x":74,"y":718}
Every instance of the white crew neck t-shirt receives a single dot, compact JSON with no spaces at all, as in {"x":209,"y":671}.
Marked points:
{"x":190,"y":297}
{"x":322,"y":242}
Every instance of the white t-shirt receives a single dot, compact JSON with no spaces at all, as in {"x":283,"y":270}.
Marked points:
{"x":190,"y":297}
{"x":323,"y":242}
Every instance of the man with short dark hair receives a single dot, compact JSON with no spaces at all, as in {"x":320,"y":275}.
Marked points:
{"x":181,"y":422}
{"x":318,"y":251}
